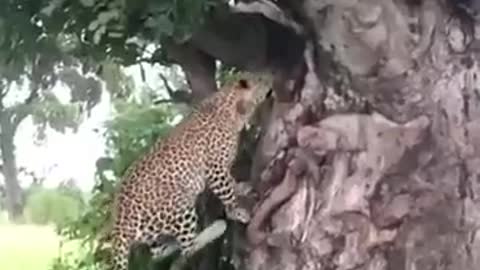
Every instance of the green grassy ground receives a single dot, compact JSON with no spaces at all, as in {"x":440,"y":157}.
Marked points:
{"x":27,"y":247}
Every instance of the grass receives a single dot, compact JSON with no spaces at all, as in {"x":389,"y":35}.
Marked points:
{"x":27,"y":247}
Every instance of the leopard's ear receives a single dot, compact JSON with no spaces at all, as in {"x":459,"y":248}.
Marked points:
{"x":242,"y":84}
{"x":242,"y":106}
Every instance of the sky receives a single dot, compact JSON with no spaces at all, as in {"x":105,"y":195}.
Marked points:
{"x":72,"y":155}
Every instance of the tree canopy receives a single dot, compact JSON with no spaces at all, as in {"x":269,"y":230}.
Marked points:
{"x":193,"y":34}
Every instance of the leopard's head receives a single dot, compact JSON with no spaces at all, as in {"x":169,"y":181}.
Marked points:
{"x":249,"y":91}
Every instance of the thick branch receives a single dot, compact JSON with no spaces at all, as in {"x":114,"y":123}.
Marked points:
{"x":7,"y":148}
{"x":246,"y":41}
{"x":250,"y":41}
{"x":199,"y":69}
{"x":21,"y":111}
{"x":235,"y":39}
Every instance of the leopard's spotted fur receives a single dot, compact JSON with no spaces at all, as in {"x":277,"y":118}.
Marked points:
{"x":157,"y":196}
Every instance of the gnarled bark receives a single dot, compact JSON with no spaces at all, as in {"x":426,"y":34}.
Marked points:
{"x":373,"y":160}
{"x":398,"y":188}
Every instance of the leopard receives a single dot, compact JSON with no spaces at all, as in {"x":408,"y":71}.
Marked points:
{"x":156,"y":198}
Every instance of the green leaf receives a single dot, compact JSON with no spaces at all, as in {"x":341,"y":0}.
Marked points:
{"x":98,"y":34}
{"x":104,"y":163}
{"x":164,"y":24}
{"x":67,"y":42}
{"x":84,"y":89}
{"x":115,"y":34}
{"x":87,"y":3}
{"x":164,"y":6}
{"x":160,"y":24}
{"x":105,"y":16}
{"x":117,"y":83}
{"x":51,"y":7}
{"x":93,"y":25}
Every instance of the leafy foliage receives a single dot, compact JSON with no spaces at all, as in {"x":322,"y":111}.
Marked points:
{"x":128,"y":134}
{"x":50,"y":112}
{"x":57,"y":206}
{"x":35,"y":66}
{"x":36,"y":60}
{"x":120,"y":29}
{"x":133,"y":131}
{"x":117,"y":83}
{"x":35,"y":54}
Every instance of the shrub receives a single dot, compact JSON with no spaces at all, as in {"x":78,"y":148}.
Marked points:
{"x":47,"y":206}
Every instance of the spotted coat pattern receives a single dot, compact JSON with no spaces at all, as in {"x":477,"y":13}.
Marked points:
{"x":157,"y":195}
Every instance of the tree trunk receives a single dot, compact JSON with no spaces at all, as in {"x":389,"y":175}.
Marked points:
{"x":14,"y":201}
{"x":379,"y":159}
{"x":373,"y":162}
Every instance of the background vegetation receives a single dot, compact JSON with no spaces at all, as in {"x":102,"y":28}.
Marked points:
{"x":75,"y":219}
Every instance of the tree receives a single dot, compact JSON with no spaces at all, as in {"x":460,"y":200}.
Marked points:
{"x":368,"y":154}
{"x":31,"y":62}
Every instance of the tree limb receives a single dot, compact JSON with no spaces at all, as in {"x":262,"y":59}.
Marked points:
{"x":178,"y":96}
{"x":167,"y":85}
{"x":21,"y":111}
{"x":234,"y":38}
{"x":33,"y":96}
{"x":3,"y":92}
{"x":199,"y":68}
{"x":163,"y":101}
{"x":247,"y":41}
{"x":250,"y":41}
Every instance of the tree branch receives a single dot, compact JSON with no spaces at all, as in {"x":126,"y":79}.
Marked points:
{"x":234,"y":38}
{"x":247,"y":41}
{"x":199,"y":68}
{"x":250,"y":41}
{"x":3,"y":92}
{"x":167,"y":85}
{"x":162,"y":101}
{"x":21,"y":111}
{"x":32,"y":97}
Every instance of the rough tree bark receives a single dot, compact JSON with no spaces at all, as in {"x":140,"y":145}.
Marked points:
{"x":13,"y":191}
{"x":10,"y":119}
{"x":371,"y":159}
